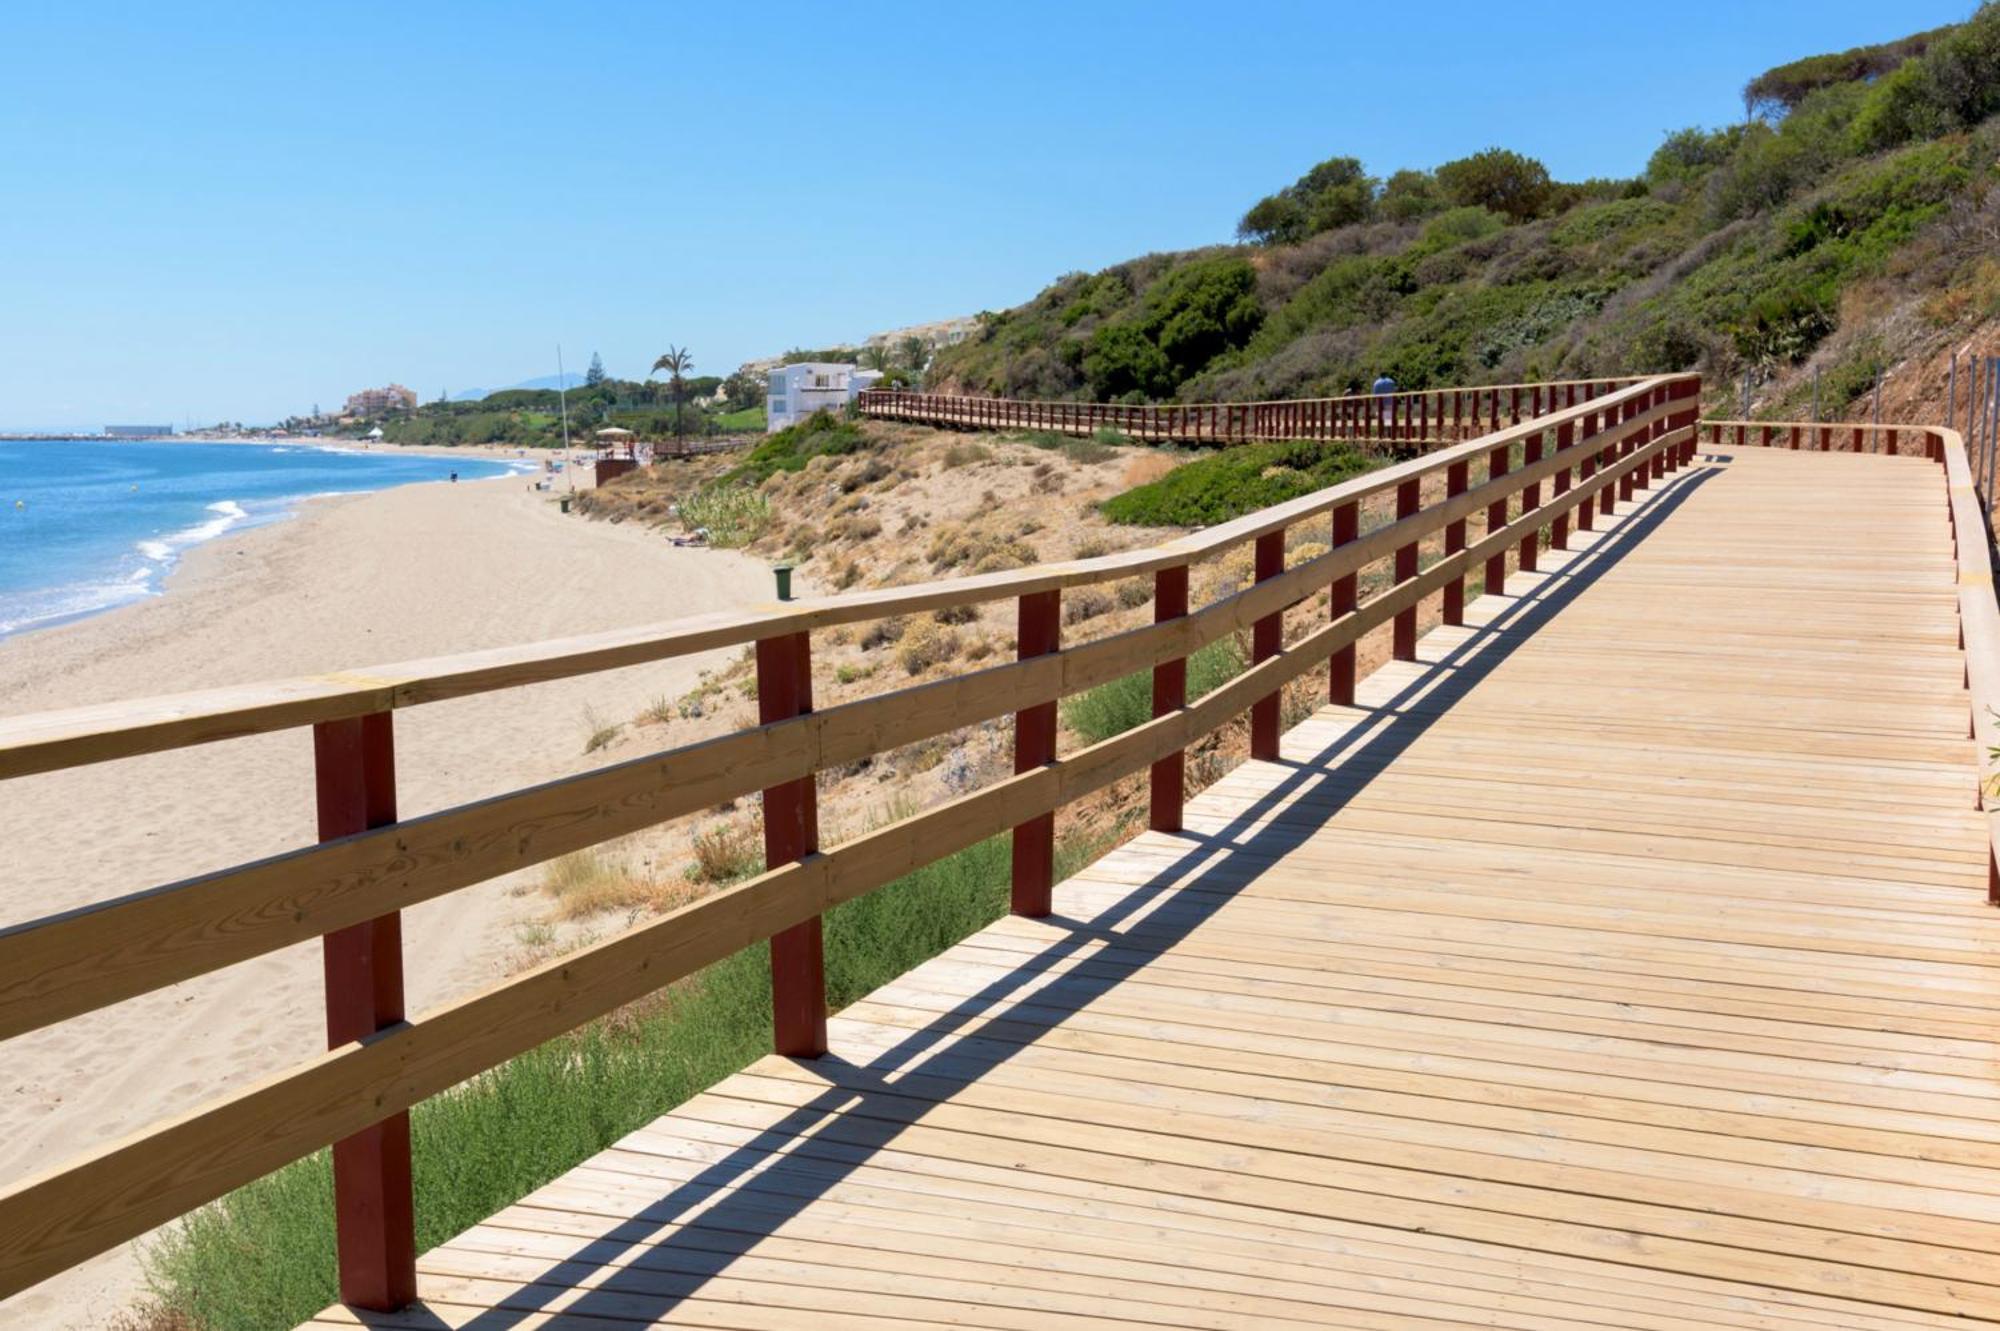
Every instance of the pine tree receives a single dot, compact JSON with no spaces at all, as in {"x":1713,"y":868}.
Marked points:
{"x":595,"y":374}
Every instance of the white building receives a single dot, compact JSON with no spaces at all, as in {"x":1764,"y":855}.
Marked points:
{"x":797,"y":391}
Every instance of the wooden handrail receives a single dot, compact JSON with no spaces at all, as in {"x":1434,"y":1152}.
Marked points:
{"x":1406,"y":416}
{"x":73,"y":737}
{"x":85,"y":959}
{"x":1813,"y":436}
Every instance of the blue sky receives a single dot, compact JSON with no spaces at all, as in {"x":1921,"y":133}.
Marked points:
{"x":239,"y":211}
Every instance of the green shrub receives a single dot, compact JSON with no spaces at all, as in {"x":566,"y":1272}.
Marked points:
{"x":1954,"y":84}
{"x":1459,"y":226}
{"x":1514,"y":186}
{"x":732,"y":513}
{"x":1691,"y":153}
{"x":1112,"y":709}
{"x":792,"y":447}
{"x":1235,"y":481}
{"x":1100,"y":447}
{"x":1335,"y":193}
{"x":1192,"y":315}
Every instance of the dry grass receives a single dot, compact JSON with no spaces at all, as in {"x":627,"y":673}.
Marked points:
{"x":589,"y":882}
{"x":1086,"y":603}
{"x":926,"y":644}
{"x":724,"y":853}
{"x":597,"y":731}
{"x":1146,"y":468}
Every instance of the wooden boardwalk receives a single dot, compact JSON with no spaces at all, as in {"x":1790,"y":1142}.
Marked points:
{"x":1621,"y":963}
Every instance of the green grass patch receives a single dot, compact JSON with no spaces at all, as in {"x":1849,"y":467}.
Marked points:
{"x":1236,"y":481}
{"x":262,"y":1258}
{"x":1114,"y":708}
{"x":750,"y":418}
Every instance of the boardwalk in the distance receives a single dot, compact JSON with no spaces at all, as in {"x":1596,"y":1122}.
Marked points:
{"x":1622,"y":963}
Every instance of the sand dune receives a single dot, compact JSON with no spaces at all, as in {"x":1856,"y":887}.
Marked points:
{"x":355,"y":581}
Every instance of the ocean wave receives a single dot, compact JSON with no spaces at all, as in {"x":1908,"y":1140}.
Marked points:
{"x":165,"y":549}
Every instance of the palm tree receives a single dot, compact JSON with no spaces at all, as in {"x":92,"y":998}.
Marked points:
{"x":677,"y":362}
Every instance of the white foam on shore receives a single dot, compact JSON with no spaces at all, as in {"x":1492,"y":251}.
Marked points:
{"x":45,"y":606}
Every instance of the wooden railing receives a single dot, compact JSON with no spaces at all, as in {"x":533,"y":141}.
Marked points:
{"x":1429,"y":416}
{"x":1972,"y":550}
{"x":1823,"y":436}
{"x":1538,"y":477}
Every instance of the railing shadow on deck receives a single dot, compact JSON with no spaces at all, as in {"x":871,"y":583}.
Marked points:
{"x":951,"y":1048}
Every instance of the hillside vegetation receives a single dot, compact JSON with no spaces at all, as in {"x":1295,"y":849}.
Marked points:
{"x":1851,"y":220}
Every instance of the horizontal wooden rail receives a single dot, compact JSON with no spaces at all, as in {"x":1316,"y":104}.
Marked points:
{"x":1978,"y":632}
{"x":1423,"y":416}
{"x":85,"y":959}
{"x":73,"y":737}
{"x":1820,"y":436}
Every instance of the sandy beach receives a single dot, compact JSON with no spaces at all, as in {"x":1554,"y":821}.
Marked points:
{"x":352,"y":581}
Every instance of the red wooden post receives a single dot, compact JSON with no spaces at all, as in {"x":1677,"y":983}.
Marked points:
{"x":1670,"y":458}
{"x":1514,"y":406}
{"x":1531,"y":499}
{"x":1408,"y":500}
{"x":354,"y":775}
{"x":1659,"y":430}
{"x":1169,"y":774}
{"x":1586,"y":470}
{"x":1891,"y":447}
{"x":1628,"y":481}
{"x":1456,"y":479}
{"x":1642,"y":474}
{"x":1565,"y":436}
{"x":1039,"y":633}
{"x":1607,"y":496}
{"x":1266,"y":637}
{"x":1346,"y":589}
{"x":791,"y":832}
{"x":1496,"y":518}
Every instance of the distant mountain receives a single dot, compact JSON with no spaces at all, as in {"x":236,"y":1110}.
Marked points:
{"x":570,"y":379}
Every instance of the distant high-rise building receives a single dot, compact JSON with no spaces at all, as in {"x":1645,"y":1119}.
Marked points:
{"x":380,"y":401}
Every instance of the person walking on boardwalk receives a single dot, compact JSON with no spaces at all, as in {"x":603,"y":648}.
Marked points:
{"x":1384,"y":387}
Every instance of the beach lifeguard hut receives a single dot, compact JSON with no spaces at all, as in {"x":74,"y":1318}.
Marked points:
{"x":610,"y":465}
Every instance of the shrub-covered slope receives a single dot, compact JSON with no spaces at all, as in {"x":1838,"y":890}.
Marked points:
{"x":1850,"y":222}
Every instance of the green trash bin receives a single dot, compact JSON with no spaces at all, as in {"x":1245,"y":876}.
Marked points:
{"x":783,"y":572}
{"x":564,"y":501}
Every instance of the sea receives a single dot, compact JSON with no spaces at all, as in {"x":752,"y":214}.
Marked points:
{"x":89,"y":525}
